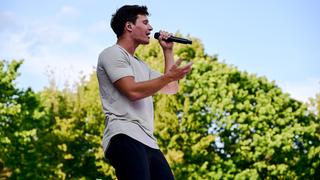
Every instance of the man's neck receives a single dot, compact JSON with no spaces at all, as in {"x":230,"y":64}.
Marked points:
{"x":127,"y":44}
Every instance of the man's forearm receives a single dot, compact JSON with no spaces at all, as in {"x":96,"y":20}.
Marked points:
{"x":168,"y":59}
{"x":172,"y":87}
{"x":167,"y":83}
{"x":139,"y":90}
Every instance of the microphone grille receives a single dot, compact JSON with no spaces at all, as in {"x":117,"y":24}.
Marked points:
{"x":156,"y":35}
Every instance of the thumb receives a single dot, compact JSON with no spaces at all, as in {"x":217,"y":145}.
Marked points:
{"x":179,"y":61}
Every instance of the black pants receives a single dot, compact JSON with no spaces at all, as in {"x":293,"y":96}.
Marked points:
{"x":134,"y":160}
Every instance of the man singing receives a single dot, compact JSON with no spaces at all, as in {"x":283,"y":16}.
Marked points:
{"x":126,"y":86}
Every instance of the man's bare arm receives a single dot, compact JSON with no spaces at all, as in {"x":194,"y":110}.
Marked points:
{"x":138,"y":90}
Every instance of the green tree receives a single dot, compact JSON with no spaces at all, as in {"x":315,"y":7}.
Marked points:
{"x":78,"y":124}
{"x":25,"y":137}
{"x":225,"y":123}
{"x":314,"y":104}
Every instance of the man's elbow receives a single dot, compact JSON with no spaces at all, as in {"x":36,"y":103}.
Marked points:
{"x":171,"y":88}
{"x":133,"y":96}
{"x":169,"y":91}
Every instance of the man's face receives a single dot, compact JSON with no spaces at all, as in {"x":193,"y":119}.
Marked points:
{"x":141,"y":30}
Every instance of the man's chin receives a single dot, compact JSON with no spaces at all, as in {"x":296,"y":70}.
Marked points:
{"x":145,"y":42}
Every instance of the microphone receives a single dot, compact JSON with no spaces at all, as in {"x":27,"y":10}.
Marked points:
{"x":174,"y":39}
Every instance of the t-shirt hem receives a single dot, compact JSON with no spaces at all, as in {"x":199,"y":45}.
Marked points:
{"x":134,"y":131}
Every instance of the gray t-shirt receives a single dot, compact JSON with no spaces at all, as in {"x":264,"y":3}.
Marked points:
{"x":133,"y":118}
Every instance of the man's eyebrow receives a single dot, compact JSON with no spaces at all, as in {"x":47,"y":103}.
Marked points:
{"x":146,"y":21}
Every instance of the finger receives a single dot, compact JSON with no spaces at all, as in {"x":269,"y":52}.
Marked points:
{"x":187,"y":70}
{"x":179,"y":61}
{"x":161,"y":35}
{"x":167,"y":35}
{"x":164,"y":34}
{"x":187,"y":65}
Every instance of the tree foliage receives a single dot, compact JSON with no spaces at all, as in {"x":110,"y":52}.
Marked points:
{"x":223,"y":124}
{"x":79,"y":124}
{"x":25,"y":137}
{"x":314,"y":104}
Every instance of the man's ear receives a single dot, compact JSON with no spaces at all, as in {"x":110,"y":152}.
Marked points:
{"x":129,"y":26}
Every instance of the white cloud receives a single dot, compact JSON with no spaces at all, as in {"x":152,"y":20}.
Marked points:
{"x":6,"y":16}
{"x":99,"y":26}
{"x":302,"y":90}
{"x":8,"y":20}
{"x":39,"y":58}
{"x":49,"y":46}
{"x":57,"y":34}
{"x":35,"y":38}
{"x":67,"y":10}
{"x":66,"y":67}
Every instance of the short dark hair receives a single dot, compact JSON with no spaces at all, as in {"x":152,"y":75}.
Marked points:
{"x":124,"y":14}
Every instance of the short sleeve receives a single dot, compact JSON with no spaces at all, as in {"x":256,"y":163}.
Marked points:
{"x":154,"y":74}
{"x":116,"y":64}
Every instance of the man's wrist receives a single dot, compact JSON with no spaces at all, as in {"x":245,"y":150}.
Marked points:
{"x":166,"y":78}
{"x":167,"y":50}
{"x":168,"y":54}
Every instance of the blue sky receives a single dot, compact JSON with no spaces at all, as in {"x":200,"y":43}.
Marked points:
{"x":276,"y":39}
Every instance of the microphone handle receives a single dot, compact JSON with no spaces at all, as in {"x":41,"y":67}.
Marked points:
{"x":179,"y":40}
{"x":174,"y":39}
